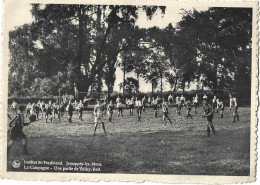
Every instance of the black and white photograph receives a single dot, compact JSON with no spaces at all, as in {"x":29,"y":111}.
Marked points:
{"x":151,"y":89}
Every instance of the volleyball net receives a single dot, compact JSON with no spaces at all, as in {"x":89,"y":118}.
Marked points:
{"x":242,"y":93}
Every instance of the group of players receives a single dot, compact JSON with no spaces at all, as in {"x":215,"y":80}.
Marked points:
{"x":50,"y":110}
{"x":140,"y":103}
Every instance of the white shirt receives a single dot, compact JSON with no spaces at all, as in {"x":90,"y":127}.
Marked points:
{"x":138,"y":103}
{"x":119,"y":104}
{"x":14,"y":104}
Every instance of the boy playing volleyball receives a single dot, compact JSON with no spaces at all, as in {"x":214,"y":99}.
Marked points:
{"x":98,"y":117}
{"x":165,"y":112}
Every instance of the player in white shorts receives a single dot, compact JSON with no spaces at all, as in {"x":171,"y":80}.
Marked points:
{"x":182,"y":101}
{"x":110,"y":109}
{"x":120,"y":108}
{"x":214,"y":103}
{"x":14,"y":107}
{"x":221,"y":108}
{"x":98,"y":117}
{"x":170,"y":100}
{"x":149,"y":101}
{"x":196,"y":103}
{"x":80,"y":109}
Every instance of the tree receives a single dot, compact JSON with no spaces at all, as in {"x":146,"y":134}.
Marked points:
{"x":131,"y":85}
{"x":215,"y":42}
{"x":80,"y":22}
{"x":23,"y":65}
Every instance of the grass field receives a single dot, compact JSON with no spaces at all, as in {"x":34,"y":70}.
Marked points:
{"x":144,"y":147}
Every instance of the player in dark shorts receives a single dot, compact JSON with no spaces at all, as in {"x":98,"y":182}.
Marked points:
{"x":221,"y":108}
{"x":155,"y":106}
{"x":143,"y":103}
{"x":139,"y":107}
{"x":55,"y":110}
{"x":62,"y":108}
{"x":178,"y":111}
{"x":37,"y":110}
{"x":208,"y":113}
{"x":170,"y":100}
{"x":165,"y":112}
{"x":65,"y":103}
{"x":159,"y":101}
{"x":70,"y":111}
{"x":43,"y":108}
{"x":235,"y":113}
{"x":28,"y":109}
{"x":120,"y":108}
{"x":16,"y":131}
{"x":131,"y":106}
{"x":110,"y":109}
{"x":49,"y":110}
{"x":196,"y":103}
{"x":188,"y":110}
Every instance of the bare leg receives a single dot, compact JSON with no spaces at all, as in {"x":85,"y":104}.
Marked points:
{"x":95,"y":129}
{"x":208,"y":130}
{"x":212,"y":128}
{"x":169,"y":119}
{"x":164,"y":120}
{"x":103,"y":126}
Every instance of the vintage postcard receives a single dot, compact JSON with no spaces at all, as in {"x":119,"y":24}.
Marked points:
{"x":162,"y":91}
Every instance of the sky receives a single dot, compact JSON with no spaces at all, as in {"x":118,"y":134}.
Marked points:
{"x":21,"y":15}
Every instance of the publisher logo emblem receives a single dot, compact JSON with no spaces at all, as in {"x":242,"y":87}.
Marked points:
{"x":16,"y":164}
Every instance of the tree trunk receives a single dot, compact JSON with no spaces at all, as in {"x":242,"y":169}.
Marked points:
{"x":80,"y":39}
{"x":99,"y":85}
{"x":175,"y":85}
{"x":124,"y":79}
{"x":138,"y":83}
{"x":161,"y":83}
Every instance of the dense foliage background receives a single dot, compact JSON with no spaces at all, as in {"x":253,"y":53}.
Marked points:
{"x":81,"y":45}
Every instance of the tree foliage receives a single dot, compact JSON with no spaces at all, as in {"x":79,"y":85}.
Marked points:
{"x":83,"y":45}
